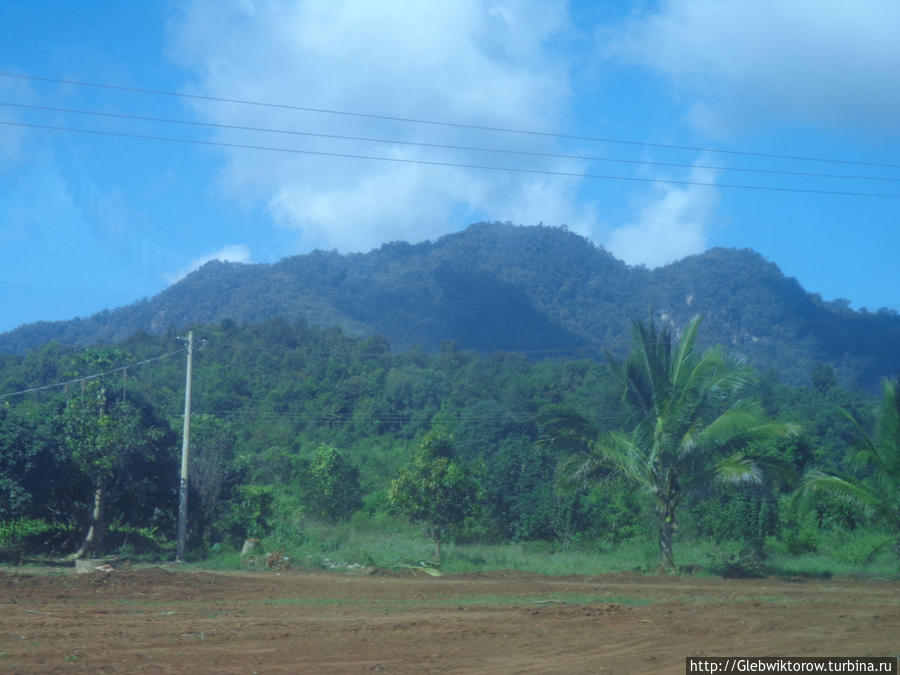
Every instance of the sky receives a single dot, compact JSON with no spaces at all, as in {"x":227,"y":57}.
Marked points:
{"x":249,"y":131}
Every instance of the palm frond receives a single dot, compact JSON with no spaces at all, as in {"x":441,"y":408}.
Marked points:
{"x":742,"y":423}
{"x":867,"y":453}
{"x":883,"y":451}
{"x":725,"y":376}
{"x":627,"y":457}
{"x":738,"y":468}
{"x":736,"y":421}
{"x":685,"y":349}
{"x":577,"y":471}
{"x":566,"y":429}
{"x":887,"y":439}
{"x":817,"y":483}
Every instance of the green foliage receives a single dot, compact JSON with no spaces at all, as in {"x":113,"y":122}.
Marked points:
{"x":274,"y":401}
{"x":688,"y":423}
{"x":748,"y":516}
{"x":251,"y":512}
{"x":878,"y":492}
{"x":435,"y":488}
{"x":15,"y":531}
{"x":111,"y":444}
{"x":499,"y":287}
{"x":98,"y":436}
{"x":334,"y":493}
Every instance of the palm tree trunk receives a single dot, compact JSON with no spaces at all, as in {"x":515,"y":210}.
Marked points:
{"x":665,"y":511}
{"x":666,"y":558}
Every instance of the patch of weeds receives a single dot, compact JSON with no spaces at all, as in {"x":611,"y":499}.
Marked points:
{"x":861,"y":548}
{"x":474,"y":558}
{"x":223,"y":560}
{"x":822,"y":566}
{"x":746,"y":564}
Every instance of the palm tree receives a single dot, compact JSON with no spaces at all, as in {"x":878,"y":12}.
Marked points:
{"x":879,"y":492}
{"x":686,"y":424}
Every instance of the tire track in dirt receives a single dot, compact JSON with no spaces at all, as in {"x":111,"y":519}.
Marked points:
{"x":154,"y":620}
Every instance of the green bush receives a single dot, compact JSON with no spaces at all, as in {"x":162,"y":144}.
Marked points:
{"x":16,"y":531}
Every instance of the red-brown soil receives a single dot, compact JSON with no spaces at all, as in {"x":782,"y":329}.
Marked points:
{"x":156,"y":620}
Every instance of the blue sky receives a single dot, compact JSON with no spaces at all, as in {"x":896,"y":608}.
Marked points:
{"x":90,"y":221}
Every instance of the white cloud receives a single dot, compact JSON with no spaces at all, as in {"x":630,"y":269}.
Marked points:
{"x":238,"y":253}
{"x":744,"y":62}
{"x":487,"y":62}
{"x":671,"y":226}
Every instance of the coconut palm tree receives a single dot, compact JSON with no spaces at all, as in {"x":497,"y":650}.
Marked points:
{"x":879,"y":492}
{"x":687,"y":423}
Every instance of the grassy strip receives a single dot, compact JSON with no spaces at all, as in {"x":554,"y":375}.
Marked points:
{"x":351,"y":546}
{"x":393,"y":544}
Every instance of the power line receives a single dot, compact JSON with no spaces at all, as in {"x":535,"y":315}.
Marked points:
{"x":458,"y":125}
{"x":92,"y":377}
{"x":422,"y":162}
{"x":445,"y":146}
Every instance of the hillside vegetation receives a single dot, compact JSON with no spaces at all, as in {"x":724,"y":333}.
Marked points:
{"x":541,"y":290}
{"x":298,"y":429}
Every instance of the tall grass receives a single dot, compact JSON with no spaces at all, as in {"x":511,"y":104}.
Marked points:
{"x":396,"y":544}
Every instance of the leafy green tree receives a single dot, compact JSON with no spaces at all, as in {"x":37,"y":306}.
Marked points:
{"x":252,"y":511}
{"x":435,"y":488}
{"x":16,"y":463}
{"x":687,"y":423}
{"x":102,"y":432}
{"x":334,"y":493}
{"x":879,"y":491}
{"x":99,"y":437}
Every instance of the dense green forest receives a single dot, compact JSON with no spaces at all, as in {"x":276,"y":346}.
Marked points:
{"x":297,"y":427}
{"x":501,"y":287}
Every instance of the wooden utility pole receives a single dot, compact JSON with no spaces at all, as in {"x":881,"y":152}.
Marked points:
{"x":185,"y":447}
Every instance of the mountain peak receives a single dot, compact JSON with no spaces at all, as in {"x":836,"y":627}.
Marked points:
{"x":496,"y":286}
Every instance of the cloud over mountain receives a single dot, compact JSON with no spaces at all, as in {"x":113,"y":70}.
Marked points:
{"x":480,"y":62}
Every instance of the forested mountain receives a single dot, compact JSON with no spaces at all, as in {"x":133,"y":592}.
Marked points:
{"x":541,"y":290}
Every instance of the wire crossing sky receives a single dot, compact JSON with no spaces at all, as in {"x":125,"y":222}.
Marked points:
{"x":532,"y":132}
{"x":657,"y":130}
{"x":424,"y":162}
{"x":488,"y":149}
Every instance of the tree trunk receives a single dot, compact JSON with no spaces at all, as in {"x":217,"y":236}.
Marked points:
{"x":95,"y":531}
{"x":666,"y":512}
{"x":436,"y":533}
{"x":666,"y":559}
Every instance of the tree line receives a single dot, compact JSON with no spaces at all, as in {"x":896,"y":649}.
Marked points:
{"x":295,"y":423}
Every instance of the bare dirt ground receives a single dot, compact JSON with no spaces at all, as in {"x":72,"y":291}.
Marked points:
{"x":156,"y":620}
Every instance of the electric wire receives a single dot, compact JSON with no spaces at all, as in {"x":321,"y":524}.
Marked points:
{"x":305,"y":417}
{"x":459,"y":125}
{"x":460,"y":165}
{"x":512,"y":417}
{"x":86,"y":378}
{"x":445,"y":146}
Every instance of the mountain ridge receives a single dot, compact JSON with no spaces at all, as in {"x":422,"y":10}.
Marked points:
{"x":497,"y":286}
